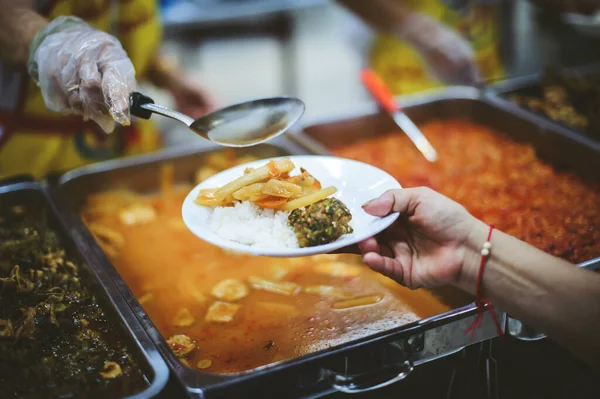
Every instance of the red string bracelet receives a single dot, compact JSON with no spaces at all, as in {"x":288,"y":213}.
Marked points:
{"x":480,"y":301}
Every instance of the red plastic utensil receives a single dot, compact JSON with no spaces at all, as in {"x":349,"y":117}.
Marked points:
{"x":386,"y":99}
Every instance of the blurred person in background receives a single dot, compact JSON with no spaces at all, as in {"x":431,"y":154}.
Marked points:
{"x":424,"y":44}
{"x":66,"y":70}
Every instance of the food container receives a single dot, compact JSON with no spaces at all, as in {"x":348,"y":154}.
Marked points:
{"x":24,"y":192}
{"x":500,"y":93}
{"x":559,"y":150}
{"x":368,"y":363}
{"x":553,"y":143}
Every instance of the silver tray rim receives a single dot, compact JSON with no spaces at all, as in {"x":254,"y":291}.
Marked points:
{"x":496,"y":94}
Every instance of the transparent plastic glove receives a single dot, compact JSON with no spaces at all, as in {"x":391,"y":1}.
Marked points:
{"x":448,"y":56}
{"x":83,"y":71}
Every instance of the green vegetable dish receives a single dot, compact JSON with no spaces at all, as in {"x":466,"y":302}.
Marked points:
{"x":55,"y":339}
{"x":320,"y":223}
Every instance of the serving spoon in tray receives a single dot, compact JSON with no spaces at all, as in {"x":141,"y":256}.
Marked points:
{"x":241,"y":125}
{"x":385,"y":98}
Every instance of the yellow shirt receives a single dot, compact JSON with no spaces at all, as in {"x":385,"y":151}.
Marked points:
{"x":401,"y":67}
{"x":34,"y":140}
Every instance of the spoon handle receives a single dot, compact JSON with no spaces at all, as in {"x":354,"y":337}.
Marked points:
{"x":136,"y":100}
{"x":143,"y":106}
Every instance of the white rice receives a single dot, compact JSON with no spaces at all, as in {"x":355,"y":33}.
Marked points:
{"x":248,"y":224}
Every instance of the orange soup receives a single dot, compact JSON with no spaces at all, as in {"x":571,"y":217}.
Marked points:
{"x":231,"y":312}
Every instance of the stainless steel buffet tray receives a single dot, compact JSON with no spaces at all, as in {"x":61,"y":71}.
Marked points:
{"x":355,"y":366}
{"x":500,"y":92}
{"x":33,"y":195}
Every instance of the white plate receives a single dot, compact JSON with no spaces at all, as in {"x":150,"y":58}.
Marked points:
{"x":356,"y":183}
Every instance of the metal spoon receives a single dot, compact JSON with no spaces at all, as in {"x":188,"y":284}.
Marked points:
{"x":386,"y":99}
{"x":240,"y":125}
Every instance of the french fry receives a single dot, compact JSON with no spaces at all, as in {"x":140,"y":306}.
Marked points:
{"x":308,"y":199}
{"x":306,"y":191}
{"x":207,"y":192}
{"x":273,"y":169}
{"x":206,"y":197}
{"x":280,"y":188}
{"x":253,"y":193}
{"x":256,"y":176}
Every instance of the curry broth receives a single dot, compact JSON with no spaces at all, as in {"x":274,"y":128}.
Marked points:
{"x":169,"y":269}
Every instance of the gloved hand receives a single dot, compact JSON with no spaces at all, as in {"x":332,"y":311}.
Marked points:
{"x":447,"y":54}
{"x":83,"y":71}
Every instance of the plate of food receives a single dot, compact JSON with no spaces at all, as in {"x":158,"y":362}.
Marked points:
{"x":289,"y":206}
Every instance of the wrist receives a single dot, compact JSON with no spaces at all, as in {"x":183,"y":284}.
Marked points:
{"x":472,"y":256}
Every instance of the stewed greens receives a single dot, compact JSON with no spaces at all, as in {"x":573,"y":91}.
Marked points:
{"x":55,"y":338}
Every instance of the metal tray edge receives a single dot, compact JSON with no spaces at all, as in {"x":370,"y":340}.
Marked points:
{"x":540,"y":120}
{"x":495,"y":95}
{"x":283,"y":142}
{"x":370,"y":108}
{"x":518,"y":82}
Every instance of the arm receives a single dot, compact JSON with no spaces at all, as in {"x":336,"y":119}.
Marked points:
{"x":549,"y":293}
{"x":19,"y":23}
{"x":448,"y":55}
{"x":436,"y":242}
{"x":79,"y":70}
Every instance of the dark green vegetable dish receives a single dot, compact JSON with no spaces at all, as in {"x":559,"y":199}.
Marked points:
{"x":55,"y":339}
{"x":570,"y":99}
{"x":320,"y":223}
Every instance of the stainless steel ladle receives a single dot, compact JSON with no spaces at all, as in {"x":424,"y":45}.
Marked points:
{"x":240,"y":125}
